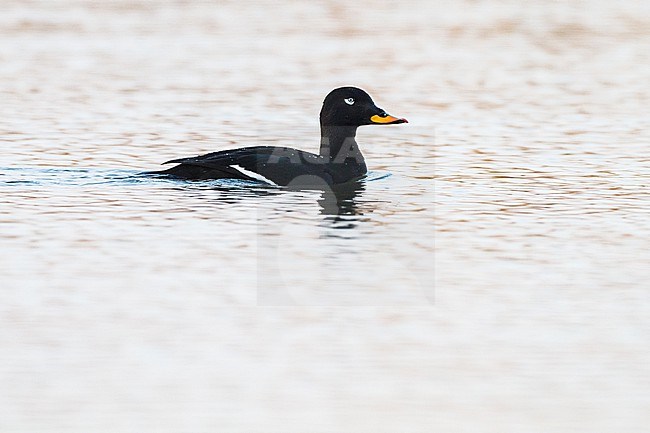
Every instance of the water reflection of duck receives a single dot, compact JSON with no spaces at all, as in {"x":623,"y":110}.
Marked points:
{"x":339,"y":160}
{"x":341,"y":199}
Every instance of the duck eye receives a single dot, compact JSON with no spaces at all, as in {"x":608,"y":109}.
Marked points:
{"x":349,"y":101}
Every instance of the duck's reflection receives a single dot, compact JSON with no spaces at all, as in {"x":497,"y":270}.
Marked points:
{"x":340,"y":205}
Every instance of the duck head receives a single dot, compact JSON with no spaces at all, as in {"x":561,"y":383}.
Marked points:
{"x":351,"y":106}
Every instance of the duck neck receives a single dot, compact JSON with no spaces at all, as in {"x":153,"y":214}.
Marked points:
{"x":338,"y":145}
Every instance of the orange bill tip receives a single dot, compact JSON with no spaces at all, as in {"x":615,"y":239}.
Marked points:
{"x":387,"y":120}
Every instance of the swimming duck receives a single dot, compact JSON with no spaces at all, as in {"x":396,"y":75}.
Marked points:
{"x":339,"y":160}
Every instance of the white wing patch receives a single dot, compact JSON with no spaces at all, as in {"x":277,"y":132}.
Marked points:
{"x":253,"y":175}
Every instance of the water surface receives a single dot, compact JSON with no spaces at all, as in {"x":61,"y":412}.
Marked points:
{"x":490,"y":275}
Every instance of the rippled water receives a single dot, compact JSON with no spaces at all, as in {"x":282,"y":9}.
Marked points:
{"x":491,"y":274}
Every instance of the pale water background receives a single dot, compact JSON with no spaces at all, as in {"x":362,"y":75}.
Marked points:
{"x":490,"y":276}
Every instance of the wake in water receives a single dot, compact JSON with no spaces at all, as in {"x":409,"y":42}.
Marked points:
{"x":11,"y":176}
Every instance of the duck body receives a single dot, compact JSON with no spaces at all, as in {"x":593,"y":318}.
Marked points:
{"x":338,"y":161}
{"x":269,"y":164}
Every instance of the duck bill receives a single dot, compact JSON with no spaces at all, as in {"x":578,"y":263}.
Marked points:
{"x":387,"y":120}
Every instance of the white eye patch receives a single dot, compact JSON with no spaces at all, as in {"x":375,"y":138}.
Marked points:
{"x":349,"y":101}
